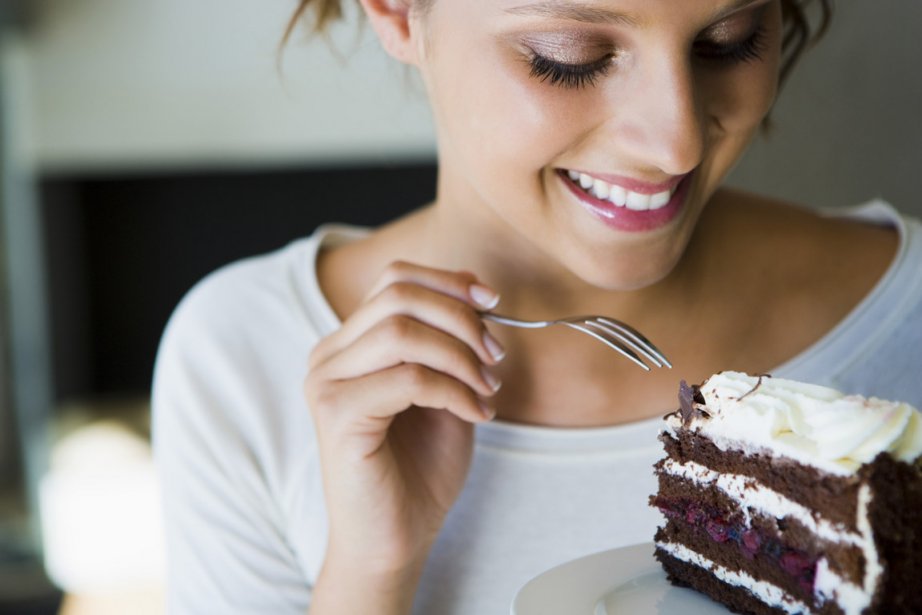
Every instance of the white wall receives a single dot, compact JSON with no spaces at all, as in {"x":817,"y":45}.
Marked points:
{"x":129,"y":83}
{"x":847,"y":125}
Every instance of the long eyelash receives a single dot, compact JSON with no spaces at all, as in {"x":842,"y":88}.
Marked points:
{"x":746,"y":51}
{"x":568,"y":75}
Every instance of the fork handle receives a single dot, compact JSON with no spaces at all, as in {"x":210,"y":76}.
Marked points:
{"x":514,"y":322}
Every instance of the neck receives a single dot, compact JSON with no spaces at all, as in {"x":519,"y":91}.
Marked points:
{"x":457,"y":234}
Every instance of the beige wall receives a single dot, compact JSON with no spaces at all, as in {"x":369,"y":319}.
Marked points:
{"x":847,"y":126}
{"x":128,"y":83}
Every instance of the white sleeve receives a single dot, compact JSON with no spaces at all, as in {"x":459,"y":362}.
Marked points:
{"x":227,"y":548}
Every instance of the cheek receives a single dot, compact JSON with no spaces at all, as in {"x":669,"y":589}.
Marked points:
{"x":739,"y":101}
{"x":494,"y":116}
{"x":741,"y":97}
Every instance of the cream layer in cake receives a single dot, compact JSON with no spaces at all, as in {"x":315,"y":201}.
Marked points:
{"x":769,"y":486}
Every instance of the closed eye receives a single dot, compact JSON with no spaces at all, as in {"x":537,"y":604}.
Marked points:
{"x":744,"y":51}
{"x":572,"y":76}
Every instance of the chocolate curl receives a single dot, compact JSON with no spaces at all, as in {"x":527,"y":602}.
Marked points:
{"x":753,"y":389}
{"x":690,"y":399}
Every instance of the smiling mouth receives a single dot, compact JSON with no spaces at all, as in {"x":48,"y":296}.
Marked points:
{"x":642,"y":207}
{"x":618,"y":195}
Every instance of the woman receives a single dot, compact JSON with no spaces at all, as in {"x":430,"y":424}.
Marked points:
{"x":433,"y":464}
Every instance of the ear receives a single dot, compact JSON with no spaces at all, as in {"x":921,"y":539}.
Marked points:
{"x":391,"y":21}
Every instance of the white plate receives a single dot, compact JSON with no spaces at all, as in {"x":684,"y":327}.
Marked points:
{"x":619,"y":581}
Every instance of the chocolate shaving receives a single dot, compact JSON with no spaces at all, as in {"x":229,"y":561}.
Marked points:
{"x":753,"y":389}
{"x":690,"y":402}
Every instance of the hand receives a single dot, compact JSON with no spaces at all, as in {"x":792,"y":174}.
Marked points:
{"x":394,"y":394}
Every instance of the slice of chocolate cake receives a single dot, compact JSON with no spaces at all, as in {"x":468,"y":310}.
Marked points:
{"x":785,"y":497}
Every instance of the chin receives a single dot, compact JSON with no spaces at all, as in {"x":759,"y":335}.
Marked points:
{"x":623,"y":274}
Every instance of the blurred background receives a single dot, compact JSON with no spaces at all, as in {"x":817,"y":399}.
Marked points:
{"x":143,"y":144}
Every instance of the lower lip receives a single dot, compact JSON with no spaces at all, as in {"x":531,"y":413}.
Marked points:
{"x":625,"y":219}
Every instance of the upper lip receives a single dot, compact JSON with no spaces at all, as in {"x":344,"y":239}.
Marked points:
{"x":634,"y":185}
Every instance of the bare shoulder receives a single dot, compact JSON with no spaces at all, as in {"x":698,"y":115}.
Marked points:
{"x":805,"y":272}
{"x":347,"y":272}
{"x":803,"y":244}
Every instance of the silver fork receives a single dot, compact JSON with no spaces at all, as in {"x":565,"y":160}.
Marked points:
{"x":617,"y":335}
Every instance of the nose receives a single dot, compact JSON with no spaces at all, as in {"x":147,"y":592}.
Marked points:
{"x":658,"y":119}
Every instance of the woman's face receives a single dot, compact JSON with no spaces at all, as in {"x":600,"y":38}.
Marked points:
{"x":596,"y":130}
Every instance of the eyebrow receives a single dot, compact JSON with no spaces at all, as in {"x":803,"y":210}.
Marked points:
{"x":563,"y":9}
{"x":566,"y":9}
{"x":734,"y":7}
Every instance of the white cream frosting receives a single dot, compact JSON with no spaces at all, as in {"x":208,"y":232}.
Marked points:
{"x":754,"y":497}
{"x":850,"y":598}
{"x":766,"y":592}
{"x":830,"y":586}
{"x":813,"y":424}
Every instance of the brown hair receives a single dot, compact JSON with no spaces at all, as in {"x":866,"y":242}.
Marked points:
{"x":324,"y":13}
{"x":798,"y":34}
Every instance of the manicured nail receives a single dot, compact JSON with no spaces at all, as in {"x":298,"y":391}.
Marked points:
{"x":488,"y":412}
{"x":492,"y":381}
{"x":493,"y":347}
{"x":483,"y":296}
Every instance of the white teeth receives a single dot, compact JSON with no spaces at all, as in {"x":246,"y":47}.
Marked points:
{"x":637,"y":201}
{"x":600,"y":189}
{"x":620,"y":196}
{"x":660,"y":199}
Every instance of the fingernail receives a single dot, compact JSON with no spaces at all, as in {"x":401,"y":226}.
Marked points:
{"x":493,"y":347}
{"x":492,"y":381}
{"x":488,"y":412}
{"x":483,"y":296}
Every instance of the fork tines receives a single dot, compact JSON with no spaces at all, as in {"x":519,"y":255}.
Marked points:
{"x":613,"y":333}
{"x":623,"y":338}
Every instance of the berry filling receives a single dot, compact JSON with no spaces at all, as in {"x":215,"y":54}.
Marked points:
{"x":751,"y":541}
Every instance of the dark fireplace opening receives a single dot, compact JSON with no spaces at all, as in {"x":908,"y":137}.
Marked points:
{"x":122,"y":250}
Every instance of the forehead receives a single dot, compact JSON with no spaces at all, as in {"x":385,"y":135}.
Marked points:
{"x":633,"y":13}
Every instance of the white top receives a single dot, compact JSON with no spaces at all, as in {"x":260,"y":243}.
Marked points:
{"x":244,"y":511}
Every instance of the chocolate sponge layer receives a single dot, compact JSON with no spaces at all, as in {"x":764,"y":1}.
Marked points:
{"x":736,"y":599}
{"x":834,"y":497}
{"x":767,"y":534}
{"x":895,"y":512}
{"x":894,"y":515}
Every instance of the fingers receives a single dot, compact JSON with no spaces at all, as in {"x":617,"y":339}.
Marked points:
{"x":447,"y":301}
{"x":418,"y":340}
{"x":401,"y":339}
{"x":454,"y":284}
{"x":383,"y":394}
